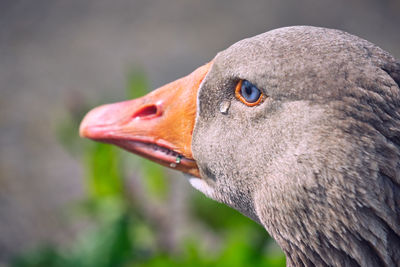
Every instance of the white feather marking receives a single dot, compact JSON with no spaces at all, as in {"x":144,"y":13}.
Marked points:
{"x":202,"y":186}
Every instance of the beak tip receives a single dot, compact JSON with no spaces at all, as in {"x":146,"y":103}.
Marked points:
{"x":83,"y":128}
{"x":90,"y":120}
{"x":93,"y":118}
{"x":82,"y":131}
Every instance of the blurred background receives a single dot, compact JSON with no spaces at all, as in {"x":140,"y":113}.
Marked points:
{"x":70,"y":202}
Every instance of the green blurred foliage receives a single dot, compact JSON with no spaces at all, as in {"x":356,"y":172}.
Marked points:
{"x":155,"y":181}
{"x":104,"y":175}
{"x":137,"y":84}
{"x":120,"y":234}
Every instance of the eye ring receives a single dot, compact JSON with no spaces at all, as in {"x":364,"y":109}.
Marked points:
{"x":244,"y":86}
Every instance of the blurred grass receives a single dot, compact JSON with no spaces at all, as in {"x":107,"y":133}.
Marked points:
{"x":122,"y":235}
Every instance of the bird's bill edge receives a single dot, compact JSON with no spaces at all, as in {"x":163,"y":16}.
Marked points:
{"x":157,"y":126}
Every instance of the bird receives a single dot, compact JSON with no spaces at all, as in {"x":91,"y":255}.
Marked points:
{"x":297,"y":128}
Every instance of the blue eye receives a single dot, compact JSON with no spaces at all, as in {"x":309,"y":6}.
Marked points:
{"x":248,"y":93}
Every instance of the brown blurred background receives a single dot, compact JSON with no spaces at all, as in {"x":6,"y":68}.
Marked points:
{"x":53,"y":53}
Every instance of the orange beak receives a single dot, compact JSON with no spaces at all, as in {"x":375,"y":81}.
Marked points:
{"x":157,"y":126}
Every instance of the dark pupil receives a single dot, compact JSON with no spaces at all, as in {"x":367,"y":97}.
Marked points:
{"x":249,"y":92}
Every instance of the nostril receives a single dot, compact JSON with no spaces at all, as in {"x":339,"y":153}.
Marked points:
{"x":147,"y":112}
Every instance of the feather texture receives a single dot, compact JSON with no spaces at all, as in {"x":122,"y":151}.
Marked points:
{"x":318,"y":162}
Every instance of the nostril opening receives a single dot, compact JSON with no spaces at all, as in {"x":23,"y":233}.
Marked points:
{"x":146,"y":112}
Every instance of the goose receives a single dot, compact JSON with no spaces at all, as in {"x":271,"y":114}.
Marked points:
{"x":297,"y":128}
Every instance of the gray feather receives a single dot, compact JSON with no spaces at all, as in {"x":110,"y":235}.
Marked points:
{"x":318,"y":162}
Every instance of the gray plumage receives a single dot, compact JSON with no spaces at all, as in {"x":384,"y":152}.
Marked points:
{"x":318,"y":162}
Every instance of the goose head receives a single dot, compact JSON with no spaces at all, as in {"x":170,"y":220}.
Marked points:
{"x":297,"y":128}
